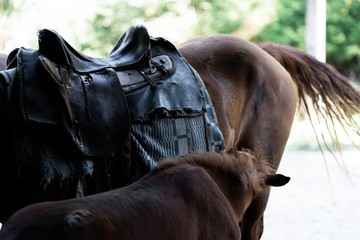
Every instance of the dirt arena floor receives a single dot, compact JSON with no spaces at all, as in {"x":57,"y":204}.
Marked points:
{"x":321,"y":202}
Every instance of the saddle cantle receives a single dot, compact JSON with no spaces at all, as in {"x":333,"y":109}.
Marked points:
{"x":130,"y":51}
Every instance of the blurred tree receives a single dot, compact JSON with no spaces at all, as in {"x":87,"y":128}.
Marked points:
{"x":217,"y":16}
{"x":289,"y":27}
{"x":211,"y":16}
{"x":115,"y":18}
{"x":343,"y":36}
{"x":6,"y":7}
{"x":343,"y":32}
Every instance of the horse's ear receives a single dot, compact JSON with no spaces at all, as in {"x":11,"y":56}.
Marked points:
{"x":276,"y":180}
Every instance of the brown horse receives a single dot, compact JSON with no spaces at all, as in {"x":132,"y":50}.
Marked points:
{"x":255,"y":99}
{"x":212,"y":189}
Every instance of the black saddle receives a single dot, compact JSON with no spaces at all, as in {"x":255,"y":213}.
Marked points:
{"x":94,"y":112}
{"x":88,"y":103}
{"x":97,"y":116}
{"x":130,"y":51}
{"x":60,"y":85}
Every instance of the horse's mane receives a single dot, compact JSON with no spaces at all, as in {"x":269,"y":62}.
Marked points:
{"x":243,"y":166}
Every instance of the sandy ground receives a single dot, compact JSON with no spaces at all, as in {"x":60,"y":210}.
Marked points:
{"x":321,"y":201}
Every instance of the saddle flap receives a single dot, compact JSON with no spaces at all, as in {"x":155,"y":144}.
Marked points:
{"x":131,"y":50}
{"x":6,"y":81}
{"x":96,"y":115}
{"x":37,"y":100}
{"x":176,"y":96}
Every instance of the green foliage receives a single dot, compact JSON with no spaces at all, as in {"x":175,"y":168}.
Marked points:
{"x":289,"y":27}
{"x":343,"y":36}
{"x":343,"y":31}
{"x":212,"y":16}
{"x":216,"y":16}
{"x":113,"y":20}
{"x":6,"y":7}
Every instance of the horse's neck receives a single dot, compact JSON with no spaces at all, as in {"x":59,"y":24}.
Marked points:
{"x":238,"y":197}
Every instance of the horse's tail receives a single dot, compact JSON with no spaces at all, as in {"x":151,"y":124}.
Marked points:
{"x":333,"y":96}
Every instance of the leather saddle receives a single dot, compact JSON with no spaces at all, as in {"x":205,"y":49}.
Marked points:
{"x":130,"y":51}
{"x":95,"y":111}
{"x":96,"y":115}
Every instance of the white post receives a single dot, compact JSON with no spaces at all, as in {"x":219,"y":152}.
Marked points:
{"x":315,"y":41}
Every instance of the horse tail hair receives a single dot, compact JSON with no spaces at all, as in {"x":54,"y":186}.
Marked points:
{"x":333,"y":96}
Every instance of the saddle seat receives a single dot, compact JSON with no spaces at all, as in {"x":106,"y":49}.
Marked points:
{"x":131,"y":50}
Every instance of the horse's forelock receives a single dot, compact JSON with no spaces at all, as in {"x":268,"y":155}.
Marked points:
{"x":244,"y":166}
{"x":250,"y":169}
